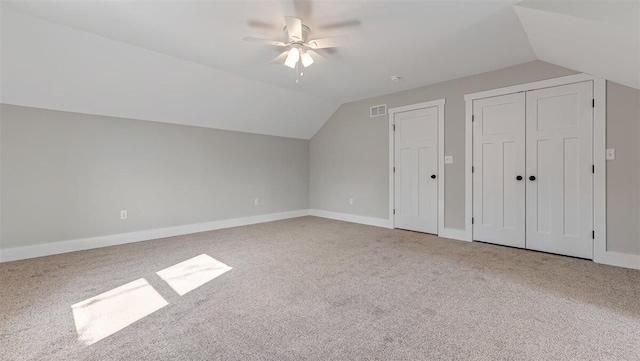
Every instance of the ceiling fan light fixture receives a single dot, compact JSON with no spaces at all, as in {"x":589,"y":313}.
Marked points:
{"x":292,"y":58}
{"x":306,"y":59}
{"x":298,"y":50}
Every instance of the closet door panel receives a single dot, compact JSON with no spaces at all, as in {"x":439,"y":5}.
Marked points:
{"x":498,"y":159}
{"x":559,"y":196}
{"x":416,"y":163}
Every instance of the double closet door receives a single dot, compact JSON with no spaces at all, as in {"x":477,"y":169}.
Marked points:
{"x":533,"y":170}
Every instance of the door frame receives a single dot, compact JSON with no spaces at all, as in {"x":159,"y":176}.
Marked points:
{"x":600,"y":253}
{"x":392,"y":112}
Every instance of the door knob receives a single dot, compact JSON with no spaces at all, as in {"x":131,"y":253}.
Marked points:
{"x":433,"y":176}
{"x":519,"y":177}
{"x":532,"y":178}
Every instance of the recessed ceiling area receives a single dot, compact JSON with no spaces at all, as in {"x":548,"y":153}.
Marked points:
{"x":422,"y":42}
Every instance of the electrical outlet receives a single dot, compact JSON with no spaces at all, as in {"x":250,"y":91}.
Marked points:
{"x":611,"y":154}
{"x":256,"y":201}
{"x":123,"y":214}
{"x":351,"y":201}
{"x":448,"y":159}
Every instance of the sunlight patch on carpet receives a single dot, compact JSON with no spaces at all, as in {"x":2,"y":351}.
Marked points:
{"x":103,"y":315}
{"x":188,"y":275}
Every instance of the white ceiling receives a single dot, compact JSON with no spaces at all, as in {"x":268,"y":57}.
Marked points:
{"x":424,"y":42}
{"x":45,"y":65}
{"x":618,"y":12}
{"x":600,"y":38}
{"x":186,"y":63}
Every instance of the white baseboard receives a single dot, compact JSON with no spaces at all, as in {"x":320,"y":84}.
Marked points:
{"x":378,"y":222}
{"x":47,"y":249}
{"x":619,"y":259}
{"x":452,"y":233}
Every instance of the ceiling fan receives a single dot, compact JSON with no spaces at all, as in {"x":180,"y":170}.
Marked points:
{"x":300,"y":50}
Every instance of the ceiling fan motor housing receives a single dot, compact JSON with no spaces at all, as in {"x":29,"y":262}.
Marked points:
{"x":305,"y":34}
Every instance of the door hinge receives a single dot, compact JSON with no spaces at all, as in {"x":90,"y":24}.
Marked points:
{"x":394,"y":169}
{"x":593,"y":234}
{"x":473,"y":118}
{"x":472,"y":220}
{"x":593,"y":168}
{"x":593,"y":103}
{"x":394,"y":127}
{"x":473,"y":169}
{"x":394,"y":211}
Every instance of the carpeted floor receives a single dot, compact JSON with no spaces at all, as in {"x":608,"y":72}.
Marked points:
{"x":312,"y":288}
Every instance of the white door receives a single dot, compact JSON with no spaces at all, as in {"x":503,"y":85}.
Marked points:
{"x":559,"y":170}
{"x":416,"y":170}
{"x":499,"y":170}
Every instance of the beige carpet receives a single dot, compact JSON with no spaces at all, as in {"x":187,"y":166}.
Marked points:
{"x":311,"y":288}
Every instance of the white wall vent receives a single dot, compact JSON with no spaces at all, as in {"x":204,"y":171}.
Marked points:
{"x":378,"y":110}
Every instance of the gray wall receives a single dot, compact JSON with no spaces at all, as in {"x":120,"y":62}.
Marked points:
{"x":349,"y":154}
{"x":67,"y":176}
{"x":623,"y":174}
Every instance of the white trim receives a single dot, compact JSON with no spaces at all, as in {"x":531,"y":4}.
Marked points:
{"x":391,"y":165}
{"x":600,"y":252}
{"x":548,"y":83}
{"x":468,"y":164}
{"x":47,"y":249}
{"x":600,"y":176}
{"x":452,"y":233}
{"x":441,"y":174}
{"x":619,"y":259}
{"x":423,"y":105}
{"x":392,"y":111}
{"x":370,"y":221}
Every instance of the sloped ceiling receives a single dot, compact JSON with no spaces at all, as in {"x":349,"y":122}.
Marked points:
{"x":185,"y":62}
{"x":422,"y":41}
{"x":596,"y":37}
{"x":45,"y":65}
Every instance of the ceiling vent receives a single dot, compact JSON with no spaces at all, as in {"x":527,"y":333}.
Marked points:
{"x":378,"y":110}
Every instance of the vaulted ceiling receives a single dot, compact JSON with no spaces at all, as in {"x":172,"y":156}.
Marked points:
{"x":185,"y":62}
{"x":596,"y":37}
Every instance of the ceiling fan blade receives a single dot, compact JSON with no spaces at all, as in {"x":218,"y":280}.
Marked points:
{"x":258,"y":24}
{"x":328,"y":42}
{"x":294,"y":28}
{"x":264,"y":41}
{"x":317,"y":57}
{"x":341,"y":24}
{"x":280,"y":58}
